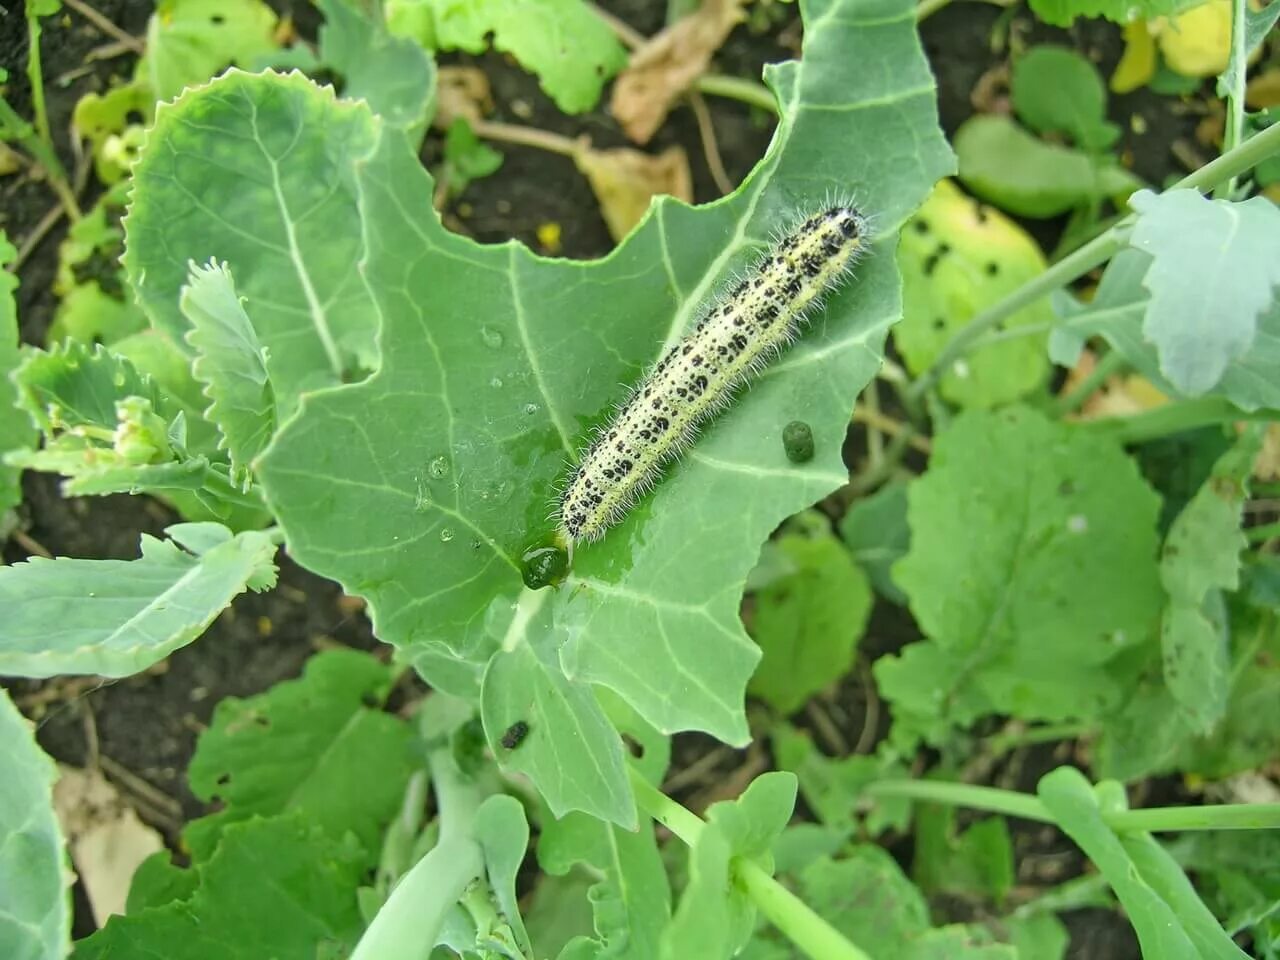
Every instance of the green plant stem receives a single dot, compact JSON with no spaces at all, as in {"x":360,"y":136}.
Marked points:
{"x":1002,"y":743}
{"x":1263,"y":532}
{"x":43,"y":154}
{"x":1238,"y":816}
{"x":738,"y":88}
{"x":1242,"y":157}
{"x":1172,"y":418}
{"x":47,"y":155}
{"x":1104,"y":368}
{"x":927,"y":8}
{"x":1234,"y":127}
{"x":808,"y":931}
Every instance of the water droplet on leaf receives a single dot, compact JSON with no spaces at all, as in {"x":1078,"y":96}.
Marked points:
{"x":446,"y":534}
{"x":491,"y":337}
{"x":439,"y":467}
{"x":543,"y":566}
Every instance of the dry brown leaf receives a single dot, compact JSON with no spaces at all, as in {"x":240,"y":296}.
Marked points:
{"x":106,"y":839}
{"x":461,"y":92}
{"x":664,"y":68}
{"x":1118,"y":396}
{"x":626,"y":180}
{"x":1263,"y":90}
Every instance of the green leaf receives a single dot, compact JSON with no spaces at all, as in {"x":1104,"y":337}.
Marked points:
{"x":868,"y":898}
{"x":502,"y":831}
{"x":1062,"y":13}
{"x":1117,"y":312}
{"x":1236,"y":872}
{"x":570,"y":49}
{"x":15,"y":426}
{"x":714,"y":917}
{"x":808,"y":623}
{"x":1017,"y":521}
{"x":1160,"y":906}
{"x":231,"y":364}
{"x":1257,"y":24}
{"x":1201,"y":556}
{"x":974,"y":864}
{"x":312,"y":745}
{"x":158,"y":881}
{"x":1056,"y":90}
{"x":1214,"y":267}
{"x":1040,"y":936}
{"x":487,"y":382}
{"x":875,"y":530}
{"x":957,"y":258}
{"x":117,"y":617}
{"x":35,"y":923}
{"x":189,"y":41}
{"x":469,"y":158}
{"x":1002,"y":163}
{"x":257,"y":172}
{"x":394,"y":75}
{"x":630,"y":893}
{"x":275,"y":888}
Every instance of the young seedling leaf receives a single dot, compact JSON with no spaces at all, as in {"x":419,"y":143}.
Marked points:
{"x":959,"y":257}
{"x":976,"y":863}
{"x":1201,"y":557}
{"x":570,"y":49}
{"x":276,"y":887}
{"x":318,"y":745}
{"x":1117,"y":313}
{"x":808,"y":623}
{"x":1157,"y":904}
{"x":1214,"y":268}
{"x":1056,"y":90}
{"x":231,"y":364}
{"x":715,"y":917}
{"x":502,"y":831}
{"x":35,"y":923}
{"x":1032,"y":565}
{"x":875,"y":530}
{"x":421,"y":487}
{"x":16,"y":429}
{"x":257,"y":171}
{"x":394,"y":75}
{"x":117,"y":617}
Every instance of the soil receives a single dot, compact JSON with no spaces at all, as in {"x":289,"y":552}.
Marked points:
{"x":147,"y":725}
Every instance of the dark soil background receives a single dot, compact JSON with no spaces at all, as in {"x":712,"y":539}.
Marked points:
{"x":145,"y":727}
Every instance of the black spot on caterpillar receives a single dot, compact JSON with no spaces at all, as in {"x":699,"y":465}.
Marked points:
{"x":737,"y":336}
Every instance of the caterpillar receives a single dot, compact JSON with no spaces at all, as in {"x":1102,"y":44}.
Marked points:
{"x":737,"y":335}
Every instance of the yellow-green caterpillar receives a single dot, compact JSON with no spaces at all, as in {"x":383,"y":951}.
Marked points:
{"x":737,"y":336}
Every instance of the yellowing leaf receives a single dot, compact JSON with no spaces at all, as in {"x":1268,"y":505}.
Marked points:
{"x":1197,"y":43}
{"x":1138,"y":62}
{"x":625,"y":181}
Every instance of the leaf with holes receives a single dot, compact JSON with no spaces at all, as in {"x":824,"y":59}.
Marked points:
{"x":420,"y":487}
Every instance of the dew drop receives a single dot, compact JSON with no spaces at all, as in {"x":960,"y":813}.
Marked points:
{"x":543,"y":566}
{"x":496,"y":383}
{"x":530,"y":409}
{"x":1078,"y":523}
{"x":491,"y":337}
{"x":439,"y":467}
{"x":446,"y":534}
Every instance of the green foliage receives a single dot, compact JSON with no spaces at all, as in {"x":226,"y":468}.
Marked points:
{"x":808,"y":623}
{"x":394,"y":75}
{"x":1201,"y":557}
{"x":1056,"y":90}
{"x":1118,"y":311}
{"x":15,"y":427}
{"x":875,"y":530}
{"x":467,"y":156}
{"x":117,"y":617}
{"x":707,"y":923}
{"x":502,"y":831}
{"x":976,"y":863}
{"x":570,"y":49}
{"x":1032,"y":566}
{"x":231,"y":364}
{"x":36,"y":921}
{"x":958,"y":258}
{"x":1213,"y":269}
{"x":1170,"y":920}
{"x":1002,"y":163}
{"x":1239,"y":876}
{"x":1063,"y":12}
{"x":318,"y":745}
{"x":276,"y":887}
{"x":189,"y":41}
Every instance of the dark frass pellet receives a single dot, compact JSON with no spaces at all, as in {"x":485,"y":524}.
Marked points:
{"x":797,"y":440}
{"x":514,"y":735}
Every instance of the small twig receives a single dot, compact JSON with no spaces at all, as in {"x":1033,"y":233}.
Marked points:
{"x":108,"y":51}
{"x":38,"y":233}
{"x":624,"y":31}
{"x":140,"y":787}
{"x":875,"y":438}
{"x":106,"y":26}
{"x":871,"y":719}
{"x":737,"y":88}
{"x":695,"y":771}
{"x":826,"y":729}
{"x":861,"y":414}
{"x":527,"y":137}
{"x":33,"y":547}
{"x":710,"y":148}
